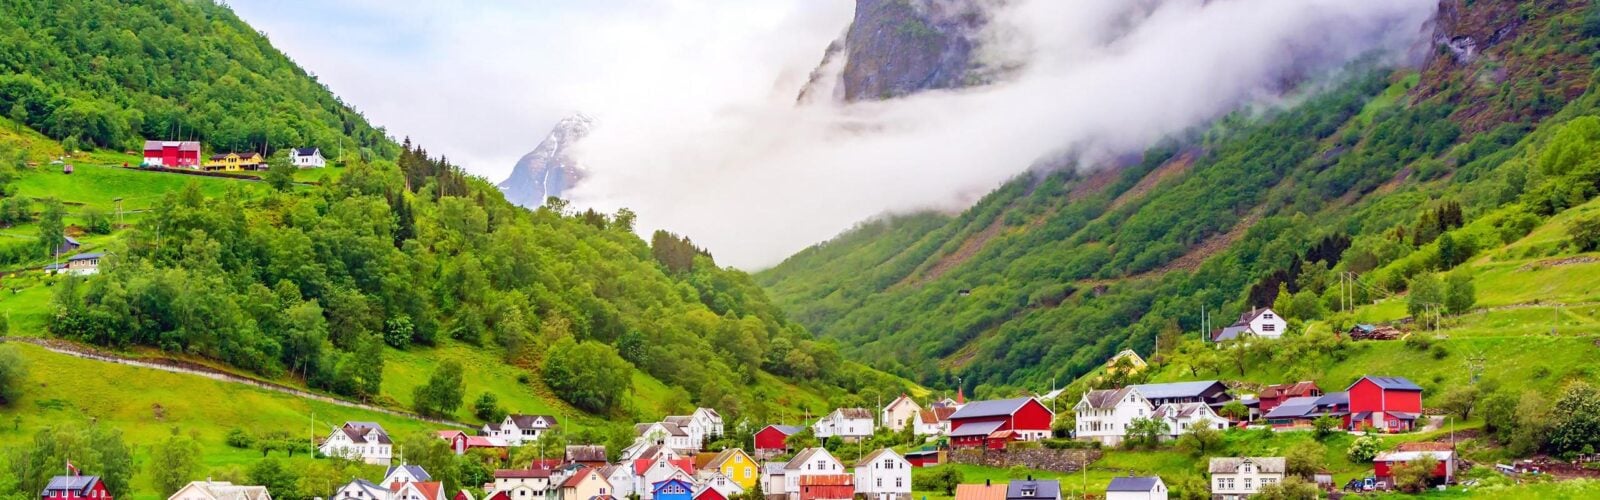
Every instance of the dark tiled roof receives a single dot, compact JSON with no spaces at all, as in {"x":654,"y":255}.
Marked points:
{"x":991,"y":408}
{"x":415,"y":470}
{"x":1105,"y":398}
{"x":1391,"y":383}
{"x":1133,"y":483}
{"x":586,"y":453}
{"x":526,"y":421}
{"x":1041,"y":489}
{"x":1294,"y":408}
{"x":976,"y":429}
{"x":305,"y":151}
{"x":1193,"y":389}
{"x":79,"y":484}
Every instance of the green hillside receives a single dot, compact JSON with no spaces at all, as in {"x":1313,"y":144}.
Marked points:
{"x":1050,"y":274}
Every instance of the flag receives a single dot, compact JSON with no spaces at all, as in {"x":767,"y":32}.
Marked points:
{"x":71,"y":470}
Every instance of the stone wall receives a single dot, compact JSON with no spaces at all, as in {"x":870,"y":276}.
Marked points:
{"x":1042,"y":458}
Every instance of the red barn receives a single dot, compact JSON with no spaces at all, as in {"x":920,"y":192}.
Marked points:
{"x":773,"y":440}
{"x":75,"y":487}
{"x":1389,"y":404}
{"x":923,"y":458}
{"x":996,"y":422}
{"x":184,"y":154}
{"x":1443,"y":473}
{"x":827,"y":487}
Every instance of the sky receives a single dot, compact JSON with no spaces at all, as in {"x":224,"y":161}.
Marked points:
{"x":697,"y":129}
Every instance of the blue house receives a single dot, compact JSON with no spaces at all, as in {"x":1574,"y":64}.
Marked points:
{"x":672,"y":489}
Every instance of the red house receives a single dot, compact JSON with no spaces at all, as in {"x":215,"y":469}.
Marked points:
{"x":1443,"y":473}
{"x":773,"y":440}
{"x":1274,"y":395}
{"x":185,"y":154}
{"x":996,"y":422}
{"x":827,"y":487}
{"x":460,"y":441}
{"x":75,"y":487}
{"x":923,"y":458}
{"x":1389,"y":404}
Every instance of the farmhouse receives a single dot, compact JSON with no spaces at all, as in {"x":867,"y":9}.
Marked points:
{"x":1104,"y":415}
{"x":234,"y":162}
{"x":1262,"y":323}
{"x":75,"y":487}
{"x":172,"y":154}
{"x":665,"y":434}
{"x":1210,"y":392}
{"x":901,"y":412}
{"x":219,"y":490}
{"x":1136,"y":488}
{"x":364,"y":441}
{"x":83,"y":264}
{"x":883,"y":475}
{"x":1388,"y":404}
{"x":307,"y":158}
{"x":516,"y":430}
{"x":773,"y":440}
{"x":849,"y":424}
{"x":1240,"y":478}
{"x":994,"y":423}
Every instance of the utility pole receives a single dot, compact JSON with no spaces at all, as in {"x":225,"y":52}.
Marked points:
{"x":119,"y":212}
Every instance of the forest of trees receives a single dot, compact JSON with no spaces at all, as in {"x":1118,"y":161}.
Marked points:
{"x":96,"y":74}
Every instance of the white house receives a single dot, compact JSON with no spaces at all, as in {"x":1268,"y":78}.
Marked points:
{"x":714,"y":480}
{"x":901,"y":412}
{"x":401,"y":474}
{"x":1239,"y":478}
{"x":1262,"y":323}
{"x":425,"y":490}
{"x":1136,"y":488}
{"x":772,"y":478}
{"x":703,"y":425}
{"x":665,"y":434}
{"x":518,"y":429}
{"x":361,"y":489}
{"x":622,"y":479}
{"x":1180,"y":417}
{"x":1104,"y":415}
{"x":883,"y":475}
{"x":809,"y":462}
{"x":520,"y":484}
{"x":220,"y":490}
{"x":364,"y":441}
{"x":849,"y":424}
{"x":934,"y":420}
{"x":308,"y":158}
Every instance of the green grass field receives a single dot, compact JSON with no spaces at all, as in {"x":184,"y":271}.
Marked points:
{"x":100,"y":185}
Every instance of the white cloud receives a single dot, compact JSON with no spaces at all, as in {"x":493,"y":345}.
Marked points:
{"x":698,"y":131}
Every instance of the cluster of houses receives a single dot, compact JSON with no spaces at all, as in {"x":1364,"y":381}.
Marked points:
{"x":186,"y":154}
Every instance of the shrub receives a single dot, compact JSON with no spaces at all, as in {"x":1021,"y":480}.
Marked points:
{"x":1584,"y":233}
{"x":1363,"y":449}
{"x":238,"y":438}
{"x":1440,"y":352}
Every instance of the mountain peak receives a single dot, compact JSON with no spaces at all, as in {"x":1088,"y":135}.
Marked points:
{"x":549,"y":170}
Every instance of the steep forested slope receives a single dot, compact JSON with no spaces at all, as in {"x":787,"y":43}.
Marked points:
{"x":1052,"y":273}
{"x":94,"y":73}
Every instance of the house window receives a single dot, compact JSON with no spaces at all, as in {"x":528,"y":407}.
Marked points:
{"x":899,"y":482}
{"x":1247,"y":483}
{"x":1269,"y":327}
{"x":1267,"y":315}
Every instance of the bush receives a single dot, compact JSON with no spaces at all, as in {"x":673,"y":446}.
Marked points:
{"x":943,"y":479}
{"x":487,"y":408}
{"x":1363,"y":449}
{"x":1440,"y":352}
{"x":1585,"y":233}
{"x":238,"y":438}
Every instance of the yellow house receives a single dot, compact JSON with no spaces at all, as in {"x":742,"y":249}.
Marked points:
{"x":737,"y":466}
{"x":234,"y":162}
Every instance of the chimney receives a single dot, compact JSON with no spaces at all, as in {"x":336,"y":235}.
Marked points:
{"x":1030,"y":477}
{"x":986,"y":482}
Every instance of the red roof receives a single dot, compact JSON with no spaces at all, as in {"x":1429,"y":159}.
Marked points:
{"x":577,"y":478}
{"x":710,"y":494}
{"x":431,"y":490}
{"x":828,"y":480}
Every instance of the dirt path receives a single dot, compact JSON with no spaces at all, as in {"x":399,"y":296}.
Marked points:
{"x":175,"y":366}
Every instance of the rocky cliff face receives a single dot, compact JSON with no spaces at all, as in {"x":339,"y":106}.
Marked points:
{"x":549,"y":169}
{"x":899,"y":47}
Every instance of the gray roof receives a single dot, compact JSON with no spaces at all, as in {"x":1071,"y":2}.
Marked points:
{"x":526,"y":421}
{"x":1105,"y":398}
{"x":1334,"y":398}
{"x":93,"y":255}
{"x":1042,"y":489}
{"x":1193,"y":389}
{"x":1391,"y":383}
{"x":1294,"y":408}
{"x":976,"y":429}
{"x":415,"y":470}
{"x":854,"y":413}
{"x":80,"y":484}
{"x":787,"y":430}
{"x":1230,"y":333}
{"x":1133,"y":483}
{"x":357,"y":431}
{"x":991,"y":408}
{"x":305,"y":151}
{"x":1230,"y":465}
{"x":804,"y":455}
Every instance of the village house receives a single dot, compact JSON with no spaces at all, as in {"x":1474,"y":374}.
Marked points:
{"x":901,"y":412}
{"x":361,"y":489}
{"x":883,"y":475}
{"x":1030,"y":489}
{"x":1127,"y":358}
{"x":985,"y":491}
{"x":737,"y":466}
{"x":1104,"y":415}
{"x":994,"y":423}
{"x":773,"y":481}
{"x":1388,"y":404}
{"x":234,"y":162}
{"x":363,"y":441}
{"x":849,"y":424}
{"x":1257,"y":323}
{"x":1180,"y":417}
{"x":520,"y":484}
{"x":307,"y":158}
{"x":808,"y":462}
{"x":586,"y":484}
{"x":516,"y":430}
{"x":1301,"y":412}
{"x":589,"y":455}
{"x":934,"y":421}
{"x":1444,"y":471}
{"x":773,"y":440}
{"x":75,"y":486}
{"x":699,"y":427}
{"x":172,"y":154}
{"x":665,"y":434}
{"x":923,"y":458}
{"x":1136,"y":488}
{"x":1210,"y":392}
{"x":78,"y":265}
{"x":827,"y":487}
{"x":671,"y":489}
{"x":400,"y":474}
{"x":460,"y":441}
{"x":219,"y":490}
{"x":417,"y":490}
{"x":712,"y":479}
{"x":624,"y":483}
{"x":1273,"y":395}
{"x":662,"y":467}
{"x":1239,"y":478}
